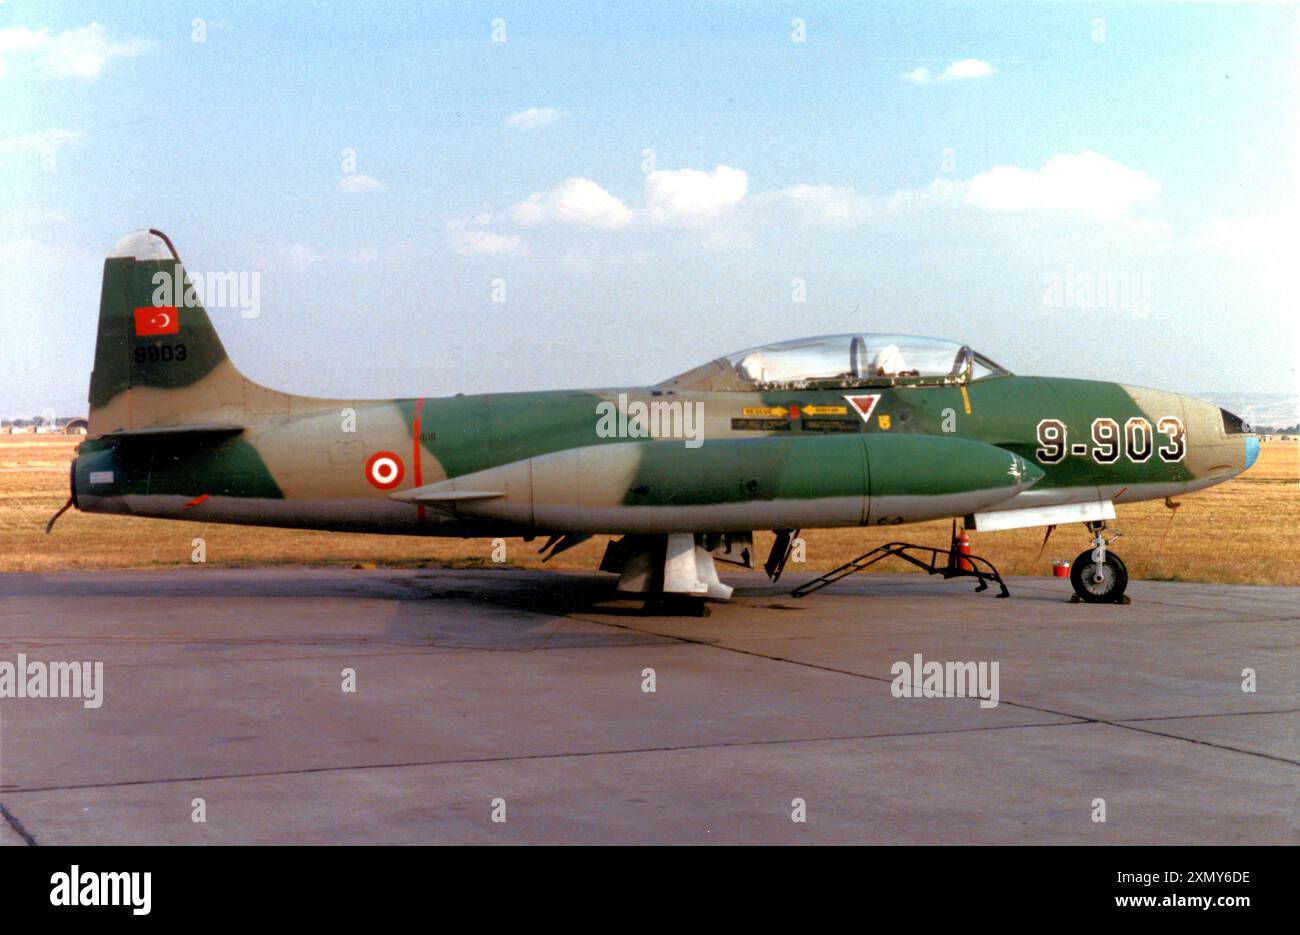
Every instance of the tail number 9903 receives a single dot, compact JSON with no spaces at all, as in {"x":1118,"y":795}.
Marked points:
{"x":1134,"y":441}
{"x":159,"y":353}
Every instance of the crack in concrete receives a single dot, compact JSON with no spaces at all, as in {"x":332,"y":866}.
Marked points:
{"x":17,"y":825}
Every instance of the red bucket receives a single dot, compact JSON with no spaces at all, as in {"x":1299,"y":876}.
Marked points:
{"x":1060,"y":569}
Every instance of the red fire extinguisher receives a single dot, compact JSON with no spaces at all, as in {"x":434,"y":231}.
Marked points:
{"x":963,"y":549}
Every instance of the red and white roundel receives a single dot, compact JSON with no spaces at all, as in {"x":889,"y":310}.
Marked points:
{"x":384,"y":470}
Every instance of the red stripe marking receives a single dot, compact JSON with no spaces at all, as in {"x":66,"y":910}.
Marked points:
{"x":197,"y":500}
{"x":415,"y":454}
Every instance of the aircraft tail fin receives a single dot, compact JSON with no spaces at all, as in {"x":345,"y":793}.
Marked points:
{"x":158,"y":360}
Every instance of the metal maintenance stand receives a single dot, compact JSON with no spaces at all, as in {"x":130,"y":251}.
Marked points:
{"x":952,"y":568}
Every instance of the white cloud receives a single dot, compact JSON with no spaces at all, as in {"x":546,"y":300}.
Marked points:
{"x":355,"y":182}
{"x":692,"y":196}
{"x":686,"y":196}
{"x":84,"y":52}
{"x":966,"y":68}
{"x":471,"y":237}
{"x":937,"y":192}
{"x":533,"y":117}
{"x":957,"y":71}
{"x":39,"y":144}
{"x":574,"y":201}
{"x":22,"y":39}
{"x":821,"y":205}
{"x":1085,"y":183}
{"x":718,"y":206}
{"x":76,"y":53}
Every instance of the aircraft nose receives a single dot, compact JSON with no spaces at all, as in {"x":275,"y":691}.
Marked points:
{"x":1252,"y":450}
{"x":1234,"y":424}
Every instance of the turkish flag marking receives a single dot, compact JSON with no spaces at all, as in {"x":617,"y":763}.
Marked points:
{"x":157,"y":320}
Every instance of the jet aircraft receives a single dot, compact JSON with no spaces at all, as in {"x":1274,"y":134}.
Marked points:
{"x":841,"y":430}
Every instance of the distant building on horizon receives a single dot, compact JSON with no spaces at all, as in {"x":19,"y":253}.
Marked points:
{"x":66,"y":425}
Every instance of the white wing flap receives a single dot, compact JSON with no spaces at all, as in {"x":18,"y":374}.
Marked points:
{"x":1064,"y":514}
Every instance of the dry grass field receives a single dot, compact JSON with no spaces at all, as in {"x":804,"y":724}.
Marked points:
{"x":1246,"y":531}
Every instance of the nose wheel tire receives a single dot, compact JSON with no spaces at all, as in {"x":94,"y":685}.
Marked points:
{"x":1104,"y":585}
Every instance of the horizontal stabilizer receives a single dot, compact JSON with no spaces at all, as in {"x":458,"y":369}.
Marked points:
{"x":211,"y":430}
{"x":432,"y":494}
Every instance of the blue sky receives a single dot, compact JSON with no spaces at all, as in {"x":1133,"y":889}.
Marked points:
{"x":390,"y":171}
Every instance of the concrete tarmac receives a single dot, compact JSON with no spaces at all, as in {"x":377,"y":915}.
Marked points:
{"x":521,"y":692}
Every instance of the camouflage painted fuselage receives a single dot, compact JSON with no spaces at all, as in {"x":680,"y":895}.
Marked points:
{"x":177,"y":432}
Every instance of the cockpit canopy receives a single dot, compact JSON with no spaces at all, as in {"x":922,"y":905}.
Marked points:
{"x":842,"y":360}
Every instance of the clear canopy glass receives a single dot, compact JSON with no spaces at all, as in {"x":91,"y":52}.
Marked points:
{"x":843,"y":360}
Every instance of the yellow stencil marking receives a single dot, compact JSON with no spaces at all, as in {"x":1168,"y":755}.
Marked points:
{"x":965,"y":398}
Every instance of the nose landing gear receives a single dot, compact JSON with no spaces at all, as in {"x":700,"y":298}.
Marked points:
{"x":1098,"y":575}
